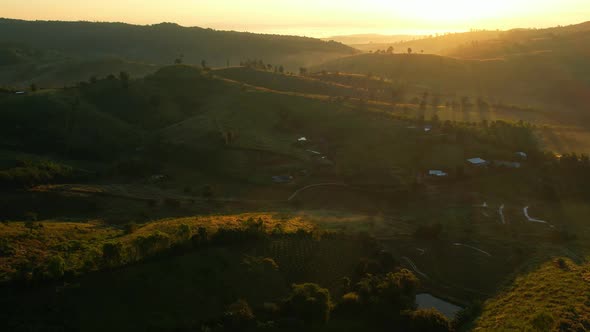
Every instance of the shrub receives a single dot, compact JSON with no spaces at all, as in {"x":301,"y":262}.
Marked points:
{"x":112,"y":253}
{"x":309,"y":303}
{"x":201,"y":238}
{"x":239,"y":316}
{"x":56,"y":267}
{"x":148,"y":245}
{"x":429,"y":320}
{"x":260,"y":263}
{"x":384,"y":294}
{"x":130,"y":228}
{"x":184,"y":232}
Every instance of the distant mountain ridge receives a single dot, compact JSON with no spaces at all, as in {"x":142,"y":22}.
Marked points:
{"x":165,"y":42}
{"x":371,"y":38}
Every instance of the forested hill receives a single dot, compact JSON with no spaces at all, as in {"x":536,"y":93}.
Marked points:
{"x":163,"y":43}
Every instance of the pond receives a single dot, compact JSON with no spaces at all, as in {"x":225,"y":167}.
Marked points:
{"x":427,"y":301}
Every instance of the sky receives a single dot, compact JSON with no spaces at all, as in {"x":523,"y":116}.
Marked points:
{"x":314,"y":18}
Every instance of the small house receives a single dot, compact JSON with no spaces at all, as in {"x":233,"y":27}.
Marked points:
{"x":522,"y":155}
{"x":477,"y":162}
{"x":437,"y":173}
{"x":302,"y":139}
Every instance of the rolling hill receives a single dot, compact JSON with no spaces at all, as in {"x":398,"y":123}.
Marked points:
{"x":163,"y":43}
{"x":571,"y":41}
{"x":553,"y":82}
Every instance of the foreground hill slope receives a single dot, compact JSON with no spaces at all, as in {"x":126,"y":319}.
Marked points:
{"x":553,"y":297}
{"x":163,"y":43}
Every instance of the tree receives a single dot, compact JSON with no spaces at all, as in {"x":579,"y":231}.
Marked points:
{"x":309,"y":303}
{"x":281,"y":69}
{"x":56,"y":267}
{"x":429,"y":320}
{"x":31,"y":225}
{"x":409,"y":50}
{"x":239,"y":316}
{"x":179,"y":60}
{"x":207,"y":192}
{"x":390,"y":50}
{"x":435,"y":119}
{"x":302,"y":71}
{"x":124,"y":78}
{"x":33,"y":87}
{"x":184,"y":232}
{"x":381,"y":295}
{"x":204,"y":64}
{"x":112,"y":253}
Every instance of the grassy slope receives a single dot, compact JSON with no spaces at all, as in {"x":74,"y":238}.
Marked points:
{"x":546,"y":81}
{"x":80,"y":242}
{"x":560,"y":292}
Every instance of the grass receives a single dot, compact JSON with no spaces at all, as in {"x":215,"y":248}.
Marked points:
{"x":560,"y":290}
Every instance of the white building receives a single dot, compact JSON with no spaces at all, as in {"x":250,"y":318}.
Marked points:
{"x":477,"y":162}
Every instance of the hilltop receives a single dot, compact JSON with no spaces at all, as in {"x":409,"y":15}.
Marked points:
{"x":569,"y":41}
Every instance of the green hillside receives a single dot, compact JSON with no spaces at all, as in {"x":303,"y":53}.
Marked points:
{"x":550,"y":297}
{"x":552,"y":82}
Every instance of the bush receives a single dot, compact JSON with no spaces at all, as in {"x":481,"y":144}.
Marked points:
{"x":112,"y":253}
{"x":429,"y":320}
{"x":239,"y":317}
{"x":184,"y":232}
{"x":56,"y":267}
{"x":309,"y":303}
{"x":149,"y":245}
{"x":383,"y":296}
{"x":130,"y":228}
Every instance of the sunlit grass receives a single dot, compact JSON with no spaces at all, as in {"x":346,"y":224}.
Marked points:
{"x":558,"y":288}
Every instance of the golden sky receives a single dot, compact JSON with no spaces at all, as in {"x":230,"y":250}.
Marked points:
{"x":318,"y":18}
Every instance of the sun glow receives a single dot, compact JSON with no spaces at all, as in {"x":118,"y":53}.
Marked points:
{"x":453,"y":10}
{"x":313,"y":17}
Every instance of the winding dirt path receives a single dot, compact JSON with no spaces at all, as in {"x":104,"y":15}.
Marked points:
{"x":474,"y":248}
{"x":525,"y":211}
{"x":313,"y":186}
{"x":414,"y":267}
{"x":501,"y":212}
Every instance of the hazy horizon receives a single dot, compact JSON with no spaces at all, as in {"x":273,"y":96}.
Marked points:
{"x":315,"y":19}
